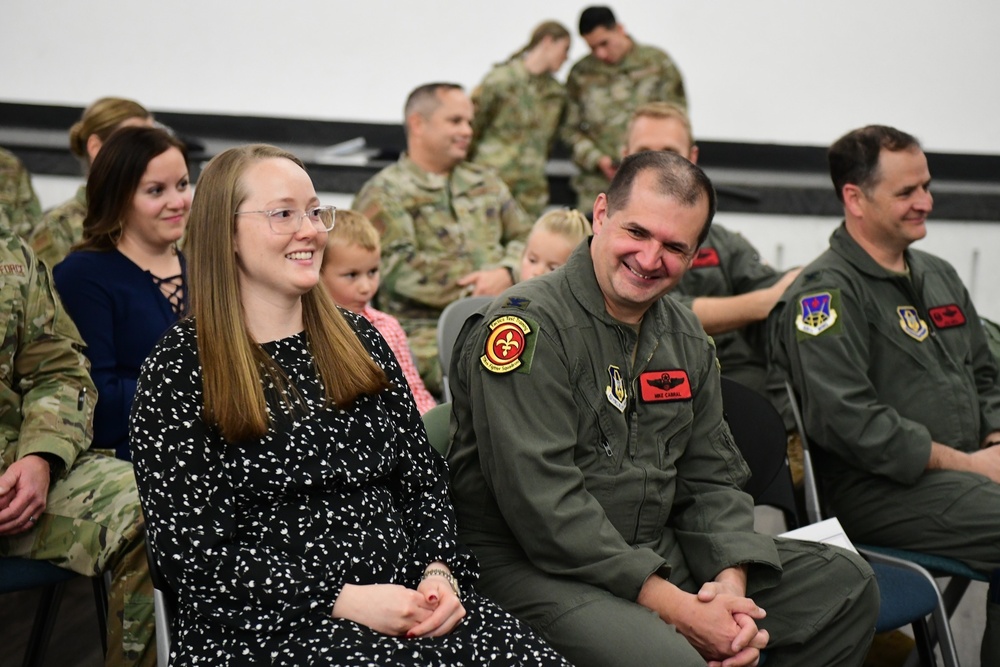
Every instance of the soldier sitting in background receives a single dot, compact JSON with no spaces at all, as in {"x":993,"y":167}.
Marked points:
{"x":449,"y":228}
{"x":58,"y":501}
{"x":18,"y":202}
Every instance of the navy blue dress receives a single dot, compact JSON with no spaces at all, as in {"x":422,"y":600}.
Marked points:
{"x":121,"y":314}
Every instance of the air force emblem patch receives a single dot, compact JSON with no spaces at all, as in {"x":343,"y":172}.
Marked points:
{"x":817,"y":312}
{"x":615,"y":391}
{"x":910,"y":321}
{"x":510,"y":345}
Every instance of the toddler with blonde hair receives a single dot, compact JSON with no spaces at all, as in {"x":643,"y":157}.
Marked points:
{"x":350,"y":273}
{"x":552,"y":240}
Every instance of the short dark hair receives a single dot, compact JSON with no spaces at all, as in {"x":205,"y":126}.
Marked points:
{"x":854,"y":157}
{"x":595,"y":17}
{"x":677,"y":177}
{"x":424,"y":99}
{"x":114,"y":178}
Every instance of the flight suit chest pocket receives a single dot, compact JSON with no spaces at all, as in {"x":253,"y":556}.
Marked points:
{"x":603,"y":428}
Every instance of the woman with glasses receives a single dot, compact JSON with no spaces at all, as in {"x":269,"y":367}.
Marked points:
{"x":123,"y":284}
{"x":62,"y":226}
{"x":290,"y":494}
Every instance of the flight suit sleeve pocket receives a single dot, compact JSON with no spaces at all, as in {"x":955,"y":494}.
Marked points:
{"x":737,"y":470}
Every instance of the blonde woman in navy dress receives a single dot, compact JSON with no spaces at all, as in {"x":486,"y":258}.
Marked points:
{"x":290,"y":494}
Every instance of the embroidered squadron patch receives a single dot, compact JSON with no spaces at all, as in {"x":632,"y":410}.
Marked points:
{"x":910,"y":321}
{"x":617,"y":396}
{"x":946,"y":317}
{"x":509,"y":345}
{"x":816,"y":313}
{"x":705,"y":258}
{"x":669,"y":385}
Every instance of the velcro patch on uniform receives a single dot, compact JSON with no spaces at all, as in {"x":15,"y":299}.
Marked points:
{"x":818,"y":313}
{"x":510,"y":345}
{"x":911,"y":324}
{"x":946,"y":317}
{"x":15,"y":269}
{"x":518,"y":302}
{"x":706,"y":257}
{"x":670,"y":385}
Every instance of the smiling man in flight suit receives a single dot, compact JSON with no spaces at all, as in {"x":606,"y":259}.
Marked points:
{"x":594,"y":475}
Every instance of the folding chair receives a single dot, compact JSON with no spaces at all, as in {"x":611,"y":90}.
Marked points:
{"x":927,"y":566}
{"x":449,"y":326}
{"x":164,"y":609}
{"x":436,"y":421}
{"x":907,"y":593}
{"x":21,"y":574}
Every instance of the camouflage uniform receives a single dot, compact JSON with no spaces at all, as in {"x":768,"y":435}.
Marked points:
{"x":17,"y":198}
{"x":517,"y":117}
{"x":435,"y":229}
{"x":602,"y":98}
{"x":60,"y":229}
{"x":92,"y":522}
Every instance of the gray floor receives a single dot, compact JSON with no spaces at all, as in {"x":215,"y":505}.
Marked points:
{"x":75,"y":641}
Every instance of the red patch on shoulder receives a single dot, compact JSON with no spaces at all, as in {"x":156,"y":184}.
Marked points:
{"x":705,"y":258}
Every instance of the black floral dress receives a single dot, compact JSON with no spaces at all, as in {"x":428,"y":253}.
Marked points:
{"x":258,"y":538}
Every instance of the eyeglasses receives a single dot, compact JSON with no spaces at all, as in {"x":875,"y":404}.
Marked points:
{"x":289,"y":220}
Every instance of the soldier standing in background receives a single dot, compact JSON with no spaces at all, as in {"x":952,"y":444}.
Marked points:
{"x":519,"y":107}
{"x":603,"y":90}
{"x":449,"y":228}
{"x":58,"y":501}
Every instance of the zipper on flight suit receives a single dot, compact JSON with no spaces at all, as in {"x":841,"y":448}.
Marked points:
{"x":631,"y":421}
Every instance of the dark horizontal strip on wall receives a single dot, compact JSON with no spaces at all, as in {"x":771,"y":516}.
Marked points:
{"x":751,"y":178}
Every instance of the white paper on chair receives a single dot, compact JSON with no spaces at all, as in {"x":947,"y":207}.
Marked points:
{"x":828,"y":531}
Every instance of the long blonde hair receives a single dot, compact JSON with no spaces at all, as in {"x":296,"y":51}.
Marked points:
{"x":231,"y":360}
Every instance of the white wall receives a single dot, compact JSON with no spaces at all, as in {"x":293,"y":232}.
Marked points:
{"x":786,"y":71}
{"x":787,"y":241}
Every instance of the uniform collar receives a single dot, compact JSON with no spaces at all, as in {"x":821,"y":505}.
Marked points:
{"x":842,"y":243}
{"x":462,"y":177}
{"x":583,"y":283}
{"x":81,"y":195}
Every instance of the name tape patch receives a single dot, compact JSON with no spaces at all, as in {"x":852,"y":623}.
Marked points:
{"x":669,"y":385}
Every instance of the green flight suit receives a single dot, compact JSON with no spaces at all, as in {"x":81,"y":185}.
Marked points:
{"x":435,"y":229}
{"x":883,"y":364}
{"x":578,"y":472}
{"x":92,"y":522}
{"x":727,"y":265}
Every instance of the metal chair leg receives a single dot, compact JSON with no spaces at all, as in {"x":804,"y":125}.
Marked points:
{"x":101,"y":586}
{"x":41,"y":629}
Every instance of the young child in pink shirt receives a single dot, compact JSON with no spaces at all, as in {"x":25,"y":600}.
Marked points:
{"x":350,"y":274}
